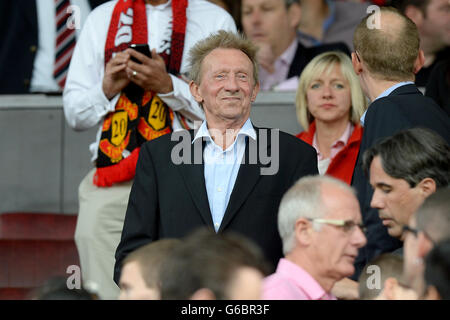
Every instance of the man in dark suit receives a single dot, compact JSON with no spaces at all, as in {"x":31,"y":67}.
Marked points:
{"x":272,"y":26}
{"x":386,"y":58}
{"x":228,"y":175}
{"x":21,"y":41}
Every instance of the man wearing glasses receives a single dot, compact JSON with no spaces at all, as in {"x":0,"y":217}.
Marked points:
{"x":319,"y":222}
{"x":429,"y":225}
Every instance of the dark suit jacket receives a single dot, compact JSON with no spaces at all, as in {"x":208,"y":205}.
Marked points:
{"x":169,"y":200}
{"x":304,"y":55}
{"x":19,"y":43}
{"x":438,"y":87}
{"x":404,"y":108}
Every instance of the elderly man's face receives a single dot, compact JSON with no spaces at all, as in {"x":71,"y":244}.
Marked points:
{"x":227,"y":87}
{"x":395,"y":200}
{"x":334,"y":248}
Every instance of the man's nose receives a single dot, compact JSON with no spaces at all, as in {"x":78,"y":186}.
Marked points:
{"x":232,"y":84}
{"x":255,"y":16}
{"x":359,"y":238}
{"x":376,"y":201}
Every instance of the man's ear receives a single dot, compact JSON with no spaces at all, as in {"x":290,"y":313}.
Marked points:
{"x":357,"y":64}
{"x":420,"y":61}
{"x":195,"y":91}
{"x":203,"y":294}
{"x":427,"y":186}
{"x":302,"y":231}
{"x":415,"y":14}
{"x":424,"y":245}
{"x":294,"y":15}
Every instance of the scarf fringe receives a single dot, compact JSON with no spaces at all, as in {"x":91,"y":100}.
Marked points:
{"x":120,"y":172}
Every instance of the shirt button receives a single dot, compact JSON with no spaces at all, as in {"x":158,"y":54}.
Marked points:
{"x":216,"y":224}
{"x":219,"y":189}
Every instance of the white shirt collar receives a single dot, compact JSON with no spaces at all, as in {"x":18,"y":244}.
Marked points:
{"x":246,"y":130}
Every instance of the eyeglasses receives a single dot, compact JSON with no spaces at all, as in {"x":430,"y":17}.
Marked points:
{"x":415,"y":232}
{"x":357,"y":56}
{"x":346,"y":225}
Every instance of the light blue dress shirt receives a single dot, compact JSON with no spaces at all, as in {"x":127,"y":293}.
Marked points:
{"x":385,"y":93}
{"x":221,"y":168}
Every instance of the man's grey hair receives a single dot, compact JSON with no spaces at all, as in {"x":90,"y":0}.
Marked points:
{"x":413,"y":155}
{"x":433,"y":216}
{"x":303,"y":200}
{"x":224,"y":40}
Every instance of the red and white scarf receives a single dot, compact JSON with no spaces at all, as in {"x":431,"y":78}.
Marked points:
{"x":139,"y":115}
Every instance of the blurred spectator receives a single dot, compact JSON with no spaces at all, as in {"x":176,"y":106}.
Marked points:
{"x":131,"y":102}
{"x":427,"y":227}
{"x":405,"y":169}
{"x":432,"y":18}
{"x":272,"y":26}
{"x":28,"y":37}
{"x":438,"y":86}
{"x":385,"y":60}
{"x":208,"y":266}
{"x":437,"y":272}
{"x":320,"y":226}
{"x":56,"y":289}
{"x":381,"y":279}
{"x":329,"y":104}
{"x":327,"y":21}
{"x":140,"y":277}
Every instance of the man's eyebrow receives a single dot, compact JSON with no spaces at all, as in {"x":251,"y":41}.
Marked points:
{"x":382,"y":185}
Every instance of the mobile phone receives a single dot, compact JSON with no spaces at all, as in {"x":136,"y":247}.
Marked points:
{"x":142,"y":48}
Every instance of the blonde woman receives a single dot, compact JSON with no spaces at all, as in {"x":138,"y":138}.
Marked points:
{"x":329,"y":105}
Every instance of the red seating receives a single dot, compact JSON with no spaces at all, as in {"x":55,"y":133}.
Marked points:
{"x":33,"y":248}
{"x":40,"y":226}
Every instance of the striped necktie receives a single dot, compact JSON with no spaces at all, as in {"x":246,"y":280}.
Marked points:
{"x":65,"y":42}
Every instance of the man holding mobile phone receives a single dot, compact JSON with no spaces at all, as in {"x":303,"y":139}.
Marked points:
{"x":132,"y":102}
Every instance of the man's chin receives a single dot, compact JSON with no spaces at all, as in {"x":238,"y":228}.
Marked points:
{"x":394,"y":232}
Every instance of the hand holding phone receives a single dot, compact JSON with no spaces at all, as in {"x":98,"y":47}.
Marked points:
{"x":142,"y":48}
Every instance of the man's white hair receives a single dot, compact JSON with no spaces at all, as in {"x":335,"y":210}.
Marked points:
{"x":304,"y":200}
